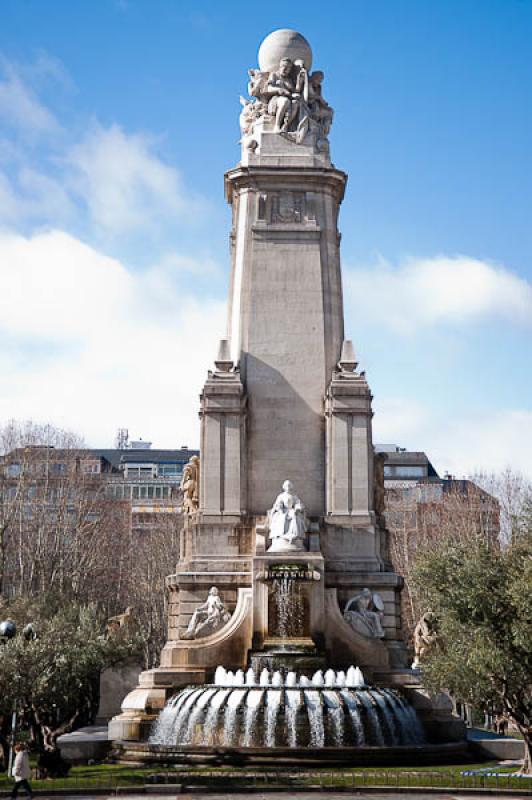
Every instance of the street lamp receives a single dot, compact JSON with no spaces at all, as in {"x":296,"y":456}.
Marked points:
{"x":8,"y":631}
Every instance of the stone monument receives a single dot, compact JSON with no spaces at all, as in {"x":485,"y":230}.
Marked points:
{"x":285,"y":405}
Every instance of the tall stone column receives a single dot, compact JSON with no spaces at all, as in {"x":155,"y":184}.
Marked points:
{"x":285,"y":317}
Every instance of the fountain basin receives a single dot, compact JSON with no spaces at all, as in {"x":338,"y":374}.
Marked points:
{"x":145,"y":753}
{"x":278,"y":711}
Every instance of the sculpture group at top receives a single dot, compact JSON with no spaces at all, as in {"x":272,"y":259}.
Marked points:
{"x":289,"y":97}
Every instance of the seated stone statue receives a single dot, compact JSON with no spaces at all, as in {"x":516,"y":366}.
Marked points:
{"x":284,"y":96}
{"x":364,"y":613}
{"x":287,"y":522}
{"x":207,"y":617}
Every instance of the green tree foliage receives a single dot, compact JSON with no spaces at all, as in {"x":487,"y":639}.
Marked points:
{"x":482,"y":599}
{"x":53,"y":680}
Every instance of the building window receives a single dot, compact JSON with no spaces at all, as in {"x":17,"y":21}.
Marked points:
{"x":13,"y":470}
{"x":91,"y":467}
{"x":170,"y":470}
{"x":406,"y":471}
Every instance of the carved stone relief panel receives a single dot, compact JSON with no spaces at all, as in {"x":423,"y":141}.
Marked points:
{"x":286,"y":207}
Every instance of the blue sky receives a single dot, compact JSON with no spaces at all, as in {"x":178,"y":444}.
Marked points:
{"x":118,"y":119}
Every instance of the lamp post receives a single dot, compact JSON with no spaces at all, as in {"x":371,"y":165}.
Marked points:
{"x":8,"y":631}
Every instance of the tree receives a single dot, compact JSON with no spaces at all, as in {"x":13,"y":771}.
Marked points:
{"x":156,"y":552}
{"x":513,"y":491}
{"x":420,"y":515}
{"x":481,"y":598}
{"x":52,"y":681}
{"x":60,"y":531}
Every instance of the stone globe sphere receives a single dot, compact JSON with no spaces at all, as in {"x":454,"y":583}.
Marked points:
{"x":8,"y":629}
{"x":283,"y":43}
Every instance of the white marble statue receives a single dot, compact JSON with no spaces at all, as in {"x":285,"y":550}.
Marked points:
{"x":208,"y":617}
{"x":287,"y":522}
{"x":364,"y":612}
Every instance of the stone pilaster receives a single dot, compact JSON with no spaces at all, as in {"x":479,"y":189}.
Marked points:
{"x":350,"y":490}
{"x":223,"y":452}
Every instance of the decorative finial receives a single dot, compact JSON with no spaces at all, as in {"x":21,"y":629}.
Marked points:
{"x":224,"y":362}
{"x":348,"y":362}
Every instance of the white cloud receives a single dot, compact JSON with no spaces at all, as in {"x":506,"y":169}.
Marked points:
{"x":106,"y":181}
{"x":444,"y":289}
{"x":89,"y":346}
{"x":20,"y":107}
{"x":124,"y":184}
{"x":34,"y":196}
{"x":462,"y":444}
{"x":9,"y":202}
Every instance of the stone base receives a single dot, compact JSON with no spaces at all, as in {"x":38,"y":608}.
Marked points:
{"x":489,"y":745}
{"x":129,"y":727}
{"x":435,"y":712}
{"x":135,"y":753}
{"x":91,"y":743}
{"x":115,"y":683}
{"x":141,"y":707}
{"x":294,"y":655}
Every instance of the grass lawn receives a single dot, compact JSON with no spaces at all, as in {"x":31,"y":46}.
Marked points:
{"x":113,"y":775}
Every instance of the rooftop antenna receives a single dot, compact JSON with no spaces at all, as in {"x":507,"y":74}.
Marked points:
{"x":122,"y":439}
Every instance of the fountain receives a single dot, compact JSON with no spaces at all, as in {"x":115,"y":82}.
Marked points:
{"x":288,"y":712}
{"x":287,"y":585}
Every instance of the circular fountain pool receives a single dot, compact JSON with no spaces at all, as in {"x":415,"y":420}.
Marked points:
{"x":331,"y":710}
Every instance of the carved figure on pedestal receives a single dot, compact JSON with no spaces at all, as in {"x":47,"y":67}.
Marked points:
{"x":364,"y":612}
{"x":120,"y":622}
{"x":380,"y":496}
{"x":425,"y":637}
{"x":319,"y":109}
{"x":287,"y":522}
{"x":251,"y":111}
{"x":190,"y":485}
{"x":207,"y":617}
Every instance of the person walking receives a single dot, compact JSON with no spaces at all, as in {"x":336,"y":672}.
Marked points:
{"x":21,"y":771}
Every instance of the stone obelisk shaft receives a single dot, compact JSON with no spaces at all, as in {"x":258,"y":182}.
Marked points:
{"x":285,"y":313}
